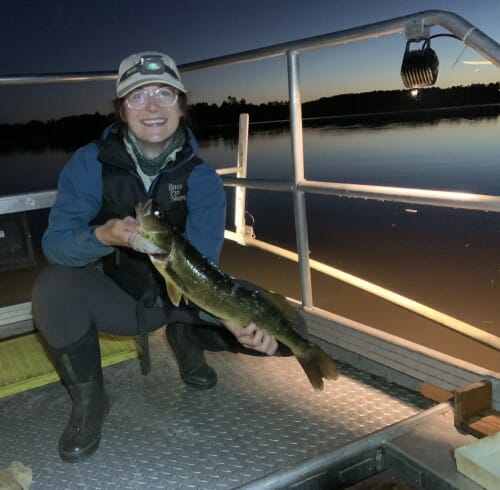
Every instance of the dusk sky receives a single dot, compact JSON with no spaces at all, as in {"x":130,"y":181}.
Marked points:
{"x":68,"y":36}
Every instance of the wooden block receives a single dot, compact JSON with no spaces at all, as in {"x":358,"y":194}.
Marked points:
{"x":485,"y":426}
{"x":470,"y":400}
{"x":435,"y":393}
{"x":473,"y":411}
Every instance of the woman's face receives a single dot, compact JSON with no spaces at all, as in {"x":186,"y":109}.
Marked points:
{"x":154,"y":123}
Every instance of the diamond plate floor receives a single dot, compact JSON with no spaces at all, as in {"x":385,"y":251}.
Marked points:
{"x":261,"y":417}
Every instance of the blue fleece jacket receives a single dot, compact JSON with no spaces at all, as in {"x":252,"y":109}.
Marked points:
{"x":70,"y":240}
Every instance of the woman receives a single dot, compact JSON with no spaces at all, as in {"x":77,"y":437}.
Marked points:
{"x":95,"y":280}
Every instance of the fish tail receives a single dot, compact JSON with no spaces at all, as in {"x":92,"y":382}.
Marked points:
{"x":317,"y":365}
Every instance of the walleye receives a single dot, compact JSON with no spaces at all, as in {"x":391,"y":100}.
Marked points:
{"x":189,"y":275}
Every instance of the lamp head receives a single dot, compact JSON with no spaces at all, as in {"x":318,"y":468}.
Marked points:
{"x":419,"y":68}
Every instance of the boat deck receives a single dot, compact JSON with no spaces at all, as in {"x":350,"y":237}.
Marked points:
{"x":262,"y":417}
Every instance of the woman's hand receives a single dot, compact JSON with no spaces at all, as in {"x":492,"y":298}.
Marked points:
{"x":117,"y":232}
{"x":253,"y":337}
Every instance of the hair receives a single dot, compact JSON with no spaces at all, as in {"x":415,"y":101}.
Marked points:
{"x":181,"y":100}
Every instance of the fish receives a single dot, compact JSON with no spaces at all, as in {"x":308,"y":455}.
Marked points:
{"x":191,"y":277}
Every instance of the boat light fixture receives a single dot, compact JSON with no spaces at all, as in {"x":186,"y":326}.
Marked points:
{"x":419,"y":68}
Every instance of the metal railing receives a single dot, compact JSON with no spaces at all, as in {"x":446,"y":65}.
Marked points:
{"x":462,"y":29}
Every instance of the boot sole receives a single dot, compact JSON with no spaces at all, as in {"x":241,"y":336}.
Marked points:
{"x":196,"y":385}
{"x":75,"y":458}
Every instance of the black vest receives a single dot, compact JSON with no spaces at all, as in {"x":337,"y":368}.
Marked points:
{"x":122,"y":190}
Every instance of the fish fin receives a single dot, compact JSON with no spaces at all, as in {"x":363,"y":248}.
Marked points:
{"x":290,"y":312}
{"x":174,"y":293}
{"x":317,"y":364}
{"x":280,"y":302}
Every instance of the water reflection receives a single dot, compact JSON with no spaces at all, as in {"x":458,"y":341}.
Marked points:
{"x":30,"y":171}
{"x":450,"y":154}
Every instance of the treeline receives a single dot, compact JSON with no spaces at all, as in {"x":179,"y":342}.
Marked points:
{"x":66,"y":132}
{"x":75,"y":130}
{"x":376,"y":102}
{"x":402,"y":100}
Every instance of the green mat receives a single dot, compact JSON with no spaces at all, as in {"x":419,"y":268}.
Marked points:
{"x":24,"y":363}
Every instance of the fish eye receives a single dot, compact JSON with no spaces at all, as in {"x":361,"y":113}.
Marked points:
{"x":158,"y":214}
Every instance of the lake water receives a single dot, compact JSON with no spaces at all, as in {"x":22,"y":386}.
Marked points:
{"x":446,"y":258}
{"x":452,"y":154}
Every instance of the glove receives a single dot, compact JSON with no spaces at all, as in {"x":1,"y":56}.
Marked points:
{"x":140,"y":244}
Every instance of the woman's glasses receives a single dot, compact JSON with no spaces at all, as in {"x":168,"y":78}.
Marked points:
{"x":139,"y":99}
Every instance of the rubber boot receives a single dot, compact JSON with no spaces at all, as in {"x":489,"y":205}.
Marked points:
{"x":193,"y":367}
{"x":79,"y":366}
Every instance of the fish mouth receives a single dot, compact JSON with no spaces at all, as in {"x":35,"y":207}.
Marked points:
{"x":160,"y":257}
{"x":141,"y":242}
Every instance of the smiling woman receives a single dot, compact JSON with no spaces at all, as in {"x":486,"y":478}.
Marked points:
{"x":97,"y":280}
{"x":152,"y":117}
{"x":151,"y":102}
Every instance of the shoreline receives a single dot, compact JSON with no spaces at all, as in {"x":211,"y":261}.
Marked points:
{"x":74,"y":139}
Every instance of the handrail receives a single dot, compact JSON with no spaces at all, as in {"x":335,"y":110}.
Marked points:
{"x":299,"y":204}
{"x":31,"y":201}
{"x":455,"y":24}
{"x":428,"y":197}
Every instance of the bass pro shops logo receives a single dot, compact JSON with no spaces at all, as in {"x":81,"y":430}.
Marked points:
{"x":177,"y":193}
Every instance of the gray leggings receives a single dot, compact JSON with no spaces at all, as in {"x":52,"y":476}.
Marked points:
{"x":68,"y":301}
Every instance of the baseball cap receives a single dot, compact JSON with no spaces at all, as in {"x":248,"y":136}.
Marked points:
{"x":144,"y":68}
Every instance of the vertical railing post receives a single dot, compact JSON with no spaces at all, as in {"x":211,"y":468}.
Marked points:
{"x":299,"y":204}
{"x":241,"y":173}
